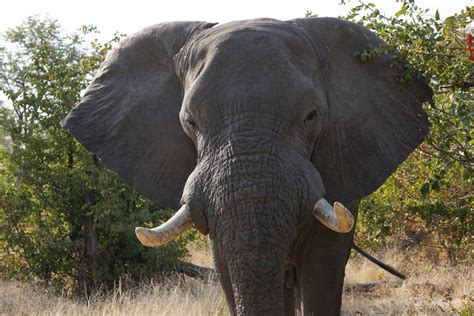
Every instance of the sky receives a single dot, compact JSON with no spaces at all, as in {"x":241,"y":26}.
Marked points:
{"x":132,"y":15}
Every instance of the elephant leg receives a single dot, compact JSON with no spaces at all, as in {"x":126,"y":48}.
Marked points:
{"x":321,"y":267}
{"x":289,"y":303}
{"x":320,"y":271}
{"x":224,"y":277}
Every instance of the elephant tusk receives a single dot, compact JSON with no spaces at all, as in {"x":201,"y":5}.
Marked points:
{"x":337,"y":218}
{"x":166,"y":232}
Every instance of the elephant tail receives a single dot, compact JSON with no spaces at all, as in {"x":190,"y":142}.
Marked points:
{"x":384,"y":266}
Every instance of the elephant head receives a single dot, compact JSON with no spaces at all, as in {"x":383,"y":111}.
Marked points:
{"x":253,"y":127}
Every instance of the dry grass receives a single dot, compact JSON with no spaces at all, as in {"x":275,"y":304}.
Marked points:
{"x":430,"y":290}
{"x":175,"y":296}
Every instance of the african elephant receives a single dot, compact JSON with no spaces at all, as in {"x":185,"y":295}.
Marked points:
{"x":256,"y":128}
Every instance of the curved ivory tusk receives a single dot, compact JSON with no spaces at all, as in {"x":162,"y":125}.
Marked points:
{"x":337,"y":218}
{"x":166,"y":232}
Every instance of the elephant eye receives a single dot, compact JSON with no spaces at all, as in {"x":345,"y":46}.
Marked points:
{"x":191,"y":123}
{"x":311,"y":116}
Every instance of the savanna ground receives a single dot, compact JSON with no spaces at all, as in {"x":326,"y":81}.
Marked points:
{"x":432,"y":288}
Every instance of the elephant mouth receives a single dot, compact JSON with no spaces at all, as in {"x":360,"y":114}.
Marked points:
{"x":337,"y":218}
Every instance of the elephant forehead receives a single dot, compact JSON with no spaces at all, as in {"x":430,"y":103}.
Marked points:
{"x":262,"y":46}
{"x":264,"y":60}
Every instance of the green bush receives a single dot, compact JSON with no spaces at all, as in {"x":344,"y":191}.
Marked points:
{"x":429,"y":200}
{"x":64,"y":219}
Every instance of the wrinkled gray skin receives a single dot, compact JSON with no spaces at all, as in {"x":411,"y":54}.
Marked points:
{"x":250,"y":123}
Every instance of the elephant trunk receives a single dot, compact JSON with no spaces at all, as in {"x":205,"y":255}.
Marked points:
{"x":255,"y":211}
{"x":254,"y":247}
{"x":257,"y":277}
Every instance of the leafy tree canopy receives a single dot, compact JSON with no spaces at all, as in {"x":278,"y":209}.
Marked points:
{"x":63,"y":217}
{"x":430,"y":197}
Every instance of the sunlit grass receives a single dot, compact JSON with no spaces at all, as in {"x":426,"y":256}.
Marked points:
{"x":431,"y":289}
{"x":175,"y":295}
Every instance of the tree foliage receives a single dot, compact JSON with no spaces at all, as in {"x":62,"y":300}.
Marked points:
{"x":64,"y":218}
{"x":430,"y":198}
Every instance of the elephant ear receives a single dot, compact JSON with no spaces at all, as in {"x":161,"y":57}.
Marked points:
{"x":375,"y":120}
{"x":129,"y":115}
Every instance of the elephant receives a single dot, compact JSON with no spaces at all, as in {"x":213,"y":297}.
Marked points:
{"x":265,"y":134}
